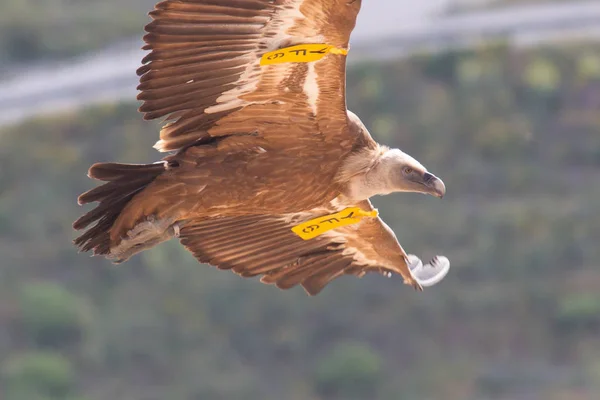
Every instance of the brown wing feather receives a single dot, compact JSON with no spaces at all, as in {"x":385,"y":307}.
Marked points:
{"x":204,"y":66}
{"x":265,"y":245}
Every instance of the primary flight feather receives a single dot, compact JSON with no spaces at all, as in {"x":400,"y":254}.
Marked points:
{"x":261,"y":142}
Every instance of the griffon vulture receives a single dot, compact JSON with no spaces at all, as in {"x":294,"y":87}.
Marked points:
{"x":268,"y":173}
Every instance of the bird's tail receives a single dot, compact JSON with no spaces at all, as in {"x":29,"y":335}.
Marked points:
{"x":123,"y":182}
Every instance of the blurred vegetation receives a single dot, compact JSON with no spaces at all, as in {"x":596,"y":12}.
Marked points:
{"x":348,"y":371}
{"x":38,"y":376}
{"x":32,"y":29}
{"x":516,"y":137}
{"x":50,"y":315}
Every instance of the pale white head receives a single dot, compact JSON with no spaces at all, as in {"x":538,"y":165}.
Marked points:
{"x":405,"y":174}
{"x":370,"y":173}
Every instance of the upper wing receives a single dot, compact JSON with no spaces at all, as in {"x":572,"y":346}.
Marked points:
{"x":265,"y":245}
{"x":204,"y":72}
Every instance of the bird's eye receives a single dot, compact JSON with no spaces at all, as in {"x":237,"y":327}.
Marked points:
{"x":408,"y":170}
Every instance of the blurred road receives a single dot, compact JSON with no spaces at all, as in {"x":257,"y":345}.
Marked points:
{"x":110,"y":75}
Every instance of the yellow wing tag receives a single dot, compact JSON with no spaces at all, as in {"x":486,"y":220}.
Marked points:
{"x":302,"y":53}
{"x":318,"y":226}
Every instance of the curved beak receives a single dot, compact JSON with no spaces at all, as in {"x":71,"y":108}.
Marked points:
{"x":435,"y":186}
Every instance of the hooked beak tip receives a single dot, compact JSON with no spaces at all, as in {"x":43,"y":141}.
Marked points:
{"x":437,"y":187}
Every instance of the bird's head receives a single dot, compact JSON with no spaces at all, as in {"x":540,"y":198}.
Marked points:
{"x":405,"y":174}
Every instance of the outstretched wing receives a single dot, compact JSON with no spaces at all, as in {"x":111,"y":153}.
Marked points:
{"x":204,"y":71}
{"x":265,"y":245}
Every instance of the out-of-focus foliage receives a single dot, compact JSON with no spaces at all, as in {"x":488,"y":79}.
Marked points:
{"x":50,"y":315}
{"x":348,"y":371}
{"x":37,"y":375}
{"x":31,"y":29}
{"x":516,"y":138}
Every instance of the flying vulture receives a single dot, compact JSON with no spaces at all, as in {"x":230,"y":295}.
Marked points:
{"x":267,"y":174}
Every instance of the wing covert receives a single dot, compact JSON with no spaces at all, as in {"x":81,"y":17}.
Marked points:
{"x":203,"y":72}
{"x":264,"y":245}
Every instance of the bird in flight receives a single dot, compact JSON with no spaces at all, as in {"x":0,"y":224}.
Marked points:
{"x":267,"y":173}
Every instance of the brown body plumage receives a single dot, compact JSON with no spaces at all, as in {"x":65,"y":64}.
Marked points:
{"x":256,"y":149}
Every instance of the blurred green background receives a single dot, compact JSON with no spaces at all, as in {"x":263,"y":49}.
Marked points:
{"x":514,"y":133}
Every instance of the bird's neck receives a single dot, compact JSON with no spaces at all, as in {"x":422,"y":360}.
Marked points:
{"x":361,"y":175}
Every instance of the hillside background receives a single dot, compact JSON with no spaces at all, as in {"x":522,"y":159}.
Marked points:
{"x":515,"y":134}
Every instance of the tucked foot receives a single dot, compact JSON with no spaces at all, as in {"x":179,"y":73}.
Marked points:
{"x":147,"y":229}
{"x":432,"y":272}
{"x":142,"y":236}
